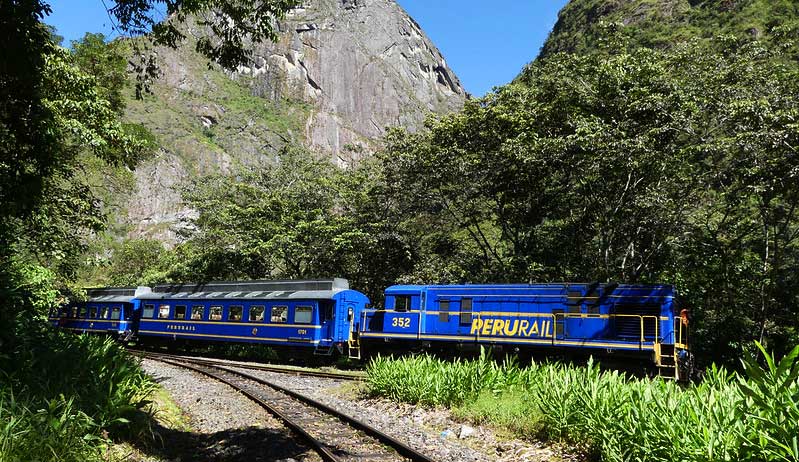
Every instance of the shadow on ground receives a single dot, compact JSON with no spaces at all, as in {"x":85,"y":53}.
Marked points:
{"x":244,"y":444}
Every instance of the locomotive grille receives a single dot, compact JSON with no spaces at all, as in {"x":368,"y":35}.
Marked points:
{"x":629,"y":327}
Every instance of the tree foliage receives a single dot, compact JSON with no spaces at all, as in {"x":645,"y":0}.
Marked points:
{"x":633,"y":166}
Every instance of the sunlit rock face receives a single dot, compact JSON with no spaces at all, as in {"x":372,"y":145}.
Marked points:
{"x":339,"y":74}
{"x":362,"y":64}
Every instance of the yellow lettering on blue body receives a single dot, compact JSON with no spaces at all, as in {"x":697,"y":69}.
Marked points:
{"x":498,"y":325}
{"x":476,"y":325}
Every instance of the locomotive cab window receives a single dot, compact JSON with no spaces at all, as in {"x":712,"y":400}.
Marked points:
{"x":466,"y":311}
{"x":236,"y":313}
{"x":197,"y":312}
{"x":180,"y":312}
{"x":303,"y":314}
{"x":402,"y":303}
{"x":116,"y":312}
{"x":256,"y":313}
{"x":443,"y":311}
{"x":163,"y":312}
{"x":280,"y":313}
{"x":216,"y":313}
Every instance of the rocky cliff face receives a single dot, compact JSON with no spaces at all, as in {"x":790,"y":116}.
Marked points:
{"x":362,"y":64}
{"x":341,"y":72}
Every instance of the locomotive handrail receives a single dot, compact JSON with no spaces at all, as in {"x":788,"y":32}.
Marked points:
{"x":641,"y":319}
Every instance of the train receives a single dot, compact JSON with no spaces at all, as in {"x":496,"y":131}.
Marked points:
{"x":642,"y":323}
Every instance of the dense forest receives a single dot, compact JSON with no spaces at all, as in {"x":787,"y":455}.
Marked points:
{"x":668,"y":159}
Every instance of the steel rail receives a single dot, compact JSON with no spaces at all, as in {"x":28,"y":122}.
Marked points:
{"x":262,"y":367}
{"x":399,"y":446}
{"x":297,"y":428}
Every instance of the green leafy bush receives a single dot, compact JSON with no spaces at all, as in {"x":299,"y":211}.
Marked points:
{"x":62,"y":395}
{"x":726,"y":417}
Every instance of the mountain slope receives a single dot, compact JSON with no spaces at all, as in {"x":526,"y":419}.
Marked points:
{"x":341,"y":72}
{"x":657,"y":23}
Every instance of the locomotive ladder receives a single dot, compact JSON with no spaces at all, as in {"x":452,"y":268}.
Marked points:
{"x":666,"y":361}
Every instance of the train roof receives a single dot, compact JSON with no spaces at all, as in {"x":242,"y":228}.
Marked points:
{"x":250,"y":290}
{"x":561,"y":287}
{"x":115,"y":294}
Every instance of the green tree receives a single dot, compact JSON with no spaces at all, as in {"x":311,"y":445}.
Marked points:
{"x":626,"y":165}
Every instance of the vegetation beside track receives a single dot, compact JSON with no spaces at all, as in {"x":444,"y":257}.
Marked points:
{"x":65,"y":397}
{"x":750,"y":417}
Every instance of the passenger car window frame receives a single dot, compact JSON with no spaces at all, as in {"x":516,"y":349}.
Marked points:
{"x":211,"y":313}
{"x":285,"y":314}
{"x":185,"y":311}
{"x":310,"y":312}
{"x":255,"y":307}
{"x":161,"y":311}
{"x":118,"y":310}
{"x":194,"y":309}
{"x":230,"y":313}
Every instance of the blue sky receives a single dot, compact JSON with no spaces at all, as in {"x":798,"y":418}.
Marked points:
{"x":485,"y":43}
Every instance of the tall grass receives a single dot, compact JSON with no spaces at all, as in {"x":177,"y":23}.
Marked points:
{"x":726,"y":417}
{"x":62,"y":394}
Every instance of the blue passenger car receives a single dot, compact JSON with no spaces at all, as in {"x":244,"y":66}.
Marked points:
{"x":112,"y":311}
{"x":317,"y":316}
{"x":632,"y":320}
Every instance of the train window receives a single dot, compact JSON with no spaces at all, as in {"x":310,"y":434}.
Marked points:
{"x":593,"y":311}
{"x":576,"y":308}
{"x":149,"y":310}
{"x":216,"y":313}
{"x":197,"y":312}
{"x":443,"y":311}
{"x":84,"y":312}
{"x":180,"y":312}
{"x":303,"y":314}
{"x":163,"y":312}
{"x":106,"y":312}
{"x":236,"y":313}
{"x":256,"y":314}
{"x":116,"y":312}
{"x":280,"y":313}
{"x":402,"y":303}
{"x":466,"y":311}
{"x":93,"y":312}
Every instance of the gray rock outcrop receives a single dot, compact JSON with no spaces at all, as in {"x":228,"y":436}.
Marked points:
{"x":341,"y":72}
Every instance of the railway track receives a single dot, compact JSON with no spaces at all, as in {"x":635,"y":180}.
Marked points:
{"x":300,"y":371}
{"x":335,"y":436}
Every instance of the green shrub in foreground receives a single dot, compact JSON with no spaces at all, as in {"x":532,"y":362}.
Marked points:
{"x":59,"y":393}
{"x":726,"y":417}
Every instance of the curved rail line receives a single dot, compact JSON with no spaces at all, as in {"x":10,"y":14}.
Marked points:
{"x":322,"y":448}
{"x":261,"y":367}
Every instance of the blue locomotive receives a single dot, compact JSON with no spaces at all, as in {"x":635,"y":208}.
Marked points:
{"x":319,"y":316}
{"x":326,"y":317}
{"x":111,"y":311}
{"x":639,"y":321}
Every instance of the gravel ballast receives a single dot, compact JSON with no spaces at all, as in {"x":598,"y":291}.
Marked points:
{"x":431,"y":431}
{"x":226,"y":426}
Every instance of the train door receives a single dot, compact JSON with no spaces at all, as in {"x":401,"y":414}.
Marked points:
{"x":327,"y":320}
